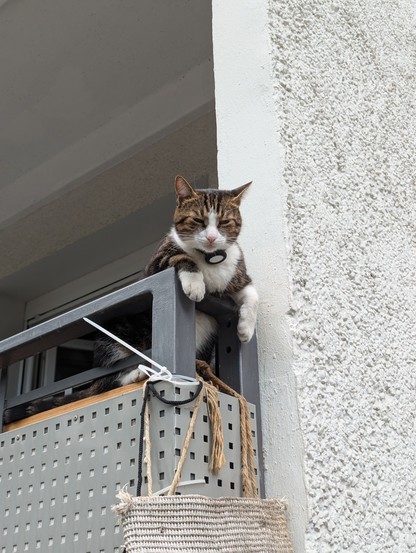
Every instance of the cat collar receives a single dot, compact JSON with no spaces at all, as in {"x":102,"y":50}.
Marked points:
{"x":214,"y":257}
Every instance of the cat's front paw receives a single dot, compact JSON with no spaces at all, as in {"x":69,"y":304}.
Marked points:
{"x":135,"y":375}
{"x":246,"y":324}
{"x":193,"y":284}
{"x":248,"y":300}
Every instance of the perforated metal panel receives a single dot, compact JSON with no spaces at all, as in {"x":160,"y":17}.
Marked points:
{"x":59,"y":478}
{"x":168,"y":429}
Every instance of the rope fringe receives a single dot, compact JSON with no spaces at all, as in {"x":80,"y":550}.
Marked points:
{"x":248,"y":476}
{"x":126,"y":502}
{"x":217,"y":457}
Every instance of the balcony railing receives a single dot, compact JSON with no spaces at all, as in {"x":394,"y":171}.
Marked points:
{"x":59,"y":475}
{"x":173,"y":338}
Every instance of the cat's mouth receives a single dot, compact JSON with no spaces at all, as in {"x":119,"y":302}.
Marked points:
{"x":209,"y":248}
{"x":206,"y":245}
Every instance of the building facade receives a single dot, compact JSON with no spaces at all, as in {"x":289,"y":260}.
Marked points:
{"x":314,"y":102}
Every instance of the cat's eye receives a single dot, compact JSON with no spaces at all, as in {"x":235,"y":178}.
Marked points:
{"x":224,"y":222}
{"x":198,"y":220}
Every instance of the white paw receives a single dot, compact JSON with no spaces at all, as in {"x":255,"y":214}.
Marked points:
{"x":248,"y":300}
{"x":135,"y":375}
{"x":193,"y":285}
{"x":246,"y":324}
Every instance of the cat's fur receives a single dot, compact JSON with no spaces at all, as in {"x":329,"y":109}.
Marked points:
{"x":205,"y":221}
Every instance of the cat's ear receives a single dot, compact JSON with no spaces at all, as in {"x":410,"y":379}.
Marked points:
{"x":239,"y":192}
{"x":183,"y":189}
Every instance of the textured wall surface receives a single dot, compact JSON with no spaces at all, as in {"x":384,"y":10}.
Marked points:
{"x":248,"y":146}
{"x":345,"y":87}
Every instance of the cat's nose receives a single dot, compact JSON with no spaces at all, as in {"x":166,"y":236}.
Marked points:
{"x":211,"y":237}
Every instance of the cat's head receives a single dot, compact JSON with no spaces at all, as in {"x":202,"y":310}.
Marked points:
{"x":207,"y":220}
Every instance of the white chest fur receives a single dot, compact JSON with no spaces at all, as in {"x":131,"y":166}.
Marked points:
{"x":216,"y":277}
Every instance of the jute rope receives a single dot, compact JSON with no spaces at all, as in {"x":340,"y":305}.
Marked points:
{"x":185,"y":447}
{"x":147,"y":456}
{"x":217,"y":458}
{"x":248,"y":475}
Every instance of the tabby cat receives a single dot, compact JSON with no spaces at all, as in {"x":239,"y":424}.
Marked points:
{"x":202,"y":246}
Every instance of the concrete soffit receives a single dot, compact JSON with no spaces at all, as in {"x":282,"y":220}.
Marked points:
{"x":96,"y":122}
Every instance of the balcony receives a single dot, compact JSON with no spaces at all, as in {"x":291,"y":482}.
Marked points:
{"x":61,"y":469}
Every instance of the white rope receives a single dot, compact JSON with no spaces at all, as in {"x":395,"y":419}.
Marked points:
{"x":162,"y":374}
{"x":181,"y":485}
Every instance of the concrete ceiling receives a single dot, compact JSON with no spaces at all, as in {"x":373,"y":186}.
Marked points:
{"x":67,"y":68}
{"x":103,"y":102}
{"x":120,"y":211}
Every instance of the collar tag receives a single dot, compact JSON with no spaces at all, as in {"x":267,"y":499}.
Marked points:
{"x":216,"y":257}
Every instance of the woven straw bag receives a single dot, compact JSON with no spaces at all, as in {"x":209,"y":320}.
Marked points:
{"x":191,"y":523}
{"x":195,"y":523}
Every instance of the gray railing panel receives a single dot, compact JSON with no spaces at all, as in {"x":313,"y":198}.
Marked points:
{"x":59,"y":477}
{"x":173,"y":328}
{"x":173,"y":337}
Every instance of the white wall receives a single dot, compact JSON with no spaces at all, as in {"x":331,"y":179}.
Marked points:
{"x":248,"y":149}
{"x":345,"y":79}
{"x":333,"y":156}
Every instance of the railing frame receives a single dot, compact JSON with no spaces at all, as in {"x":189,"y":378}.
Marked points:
{"x":173,"y":338}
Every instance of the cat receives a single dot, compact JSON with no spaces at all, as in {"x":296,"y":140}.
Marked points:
{"x":202,"y":246}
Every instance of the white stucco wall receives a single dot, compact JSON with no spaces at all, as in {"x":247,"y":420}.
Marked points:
{"x":330,"y":241}
{"x":248,"y":149}
{"x":345,"y":82}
